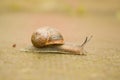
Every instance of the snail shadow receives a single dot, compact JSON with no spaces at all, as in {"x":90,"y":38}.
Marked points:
{"x":59,"y":53}
{"x":50,"y":50}
{"x":56,"y":53}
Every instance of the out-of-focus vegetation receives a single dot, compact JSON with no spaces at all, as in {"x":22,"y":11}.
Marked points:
{"x":76,"y":7}
{"x":118,"y":15}
{"x":55,"y":6}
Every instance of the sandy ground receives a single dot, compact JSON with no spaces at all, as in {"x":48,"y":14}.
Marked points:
{"x":102,"y":61}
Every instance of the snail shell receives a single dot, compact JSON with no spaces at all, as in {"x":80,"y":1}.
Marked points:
{"x":46,"y":36}
{"x":47,"y":39}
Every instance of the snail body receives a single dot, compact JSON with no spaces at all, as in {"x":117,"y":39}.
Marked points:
{"x":65,"y":48}
{"x":47,"y":39}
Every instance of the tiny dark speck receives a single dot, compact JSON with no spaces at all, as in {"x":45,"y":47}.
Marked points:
{"x":14,"y":45}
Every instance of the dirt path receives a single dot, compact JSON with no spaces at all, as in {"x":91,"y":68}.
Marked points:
{"x":102,"y":61}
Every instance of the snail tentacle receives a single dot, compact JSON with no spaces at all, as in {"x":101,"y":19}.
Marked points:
{"x":86,"y":41}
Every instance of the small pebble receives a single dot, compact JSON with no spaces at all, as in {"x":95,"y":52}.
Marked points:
{"x":14,"y":45}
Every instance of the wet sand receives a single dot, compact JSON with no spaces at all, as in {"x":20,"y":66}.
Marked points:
{"x":102,"y":62}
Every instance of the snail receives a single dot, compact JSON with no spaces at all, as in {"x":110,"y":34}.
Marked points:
{"x":47,"y":39}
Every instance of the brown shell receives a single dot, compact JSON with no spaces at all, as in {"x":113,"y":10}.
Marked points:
{"x":46,"y":36}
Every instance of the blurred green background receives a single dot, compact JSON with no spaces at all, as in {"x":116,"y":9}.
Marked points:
{"x":76,"y":7}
